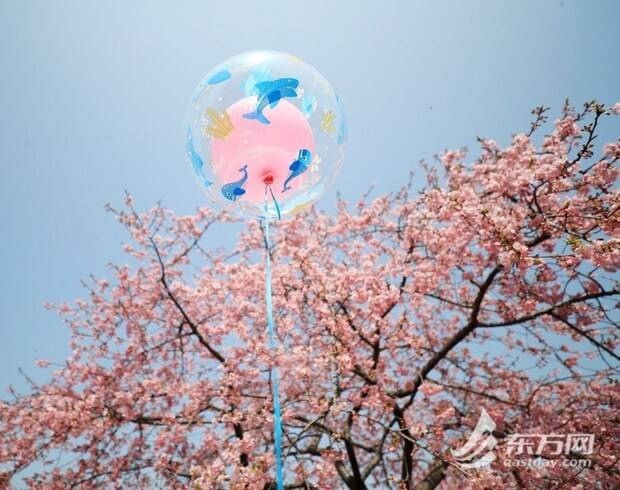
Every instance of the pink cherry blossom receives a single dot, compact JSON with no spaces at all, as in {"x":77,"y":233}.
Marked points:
{"x":399,"y":320}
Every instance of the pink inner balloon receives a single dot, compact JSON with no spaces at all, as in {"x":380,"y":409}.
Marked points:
{"x":267,"y":149}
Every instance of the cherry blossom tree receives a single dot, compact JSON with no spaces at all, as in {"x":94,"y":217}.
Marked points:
{"x":400,"y":319}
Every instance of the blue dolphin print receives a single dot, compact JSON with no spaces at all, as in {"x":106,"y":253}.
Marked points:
{"x":270,"y":93}
{"x":194,"y":157}
{"x":298,"y":167}
{"x":342,"y":131}
{"x":220,"y":76}
{"x":308,"y":104}
{"x":234,"y":190}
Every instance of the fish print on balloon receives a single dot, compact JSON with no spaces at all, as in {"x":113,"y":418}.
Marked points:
{"x":194,"y":158}
{"x":219,"y":77}
{"x":342,"y":132}
{"x":269,"y":94}
{"x":298,"y":167}
{"x":234,"y":190}
{"x":308,"y":104}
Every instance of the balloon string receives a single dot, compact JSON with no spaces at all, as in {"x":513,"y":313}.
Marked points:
{"x":277,"y":416}
{"x":275,"y":201}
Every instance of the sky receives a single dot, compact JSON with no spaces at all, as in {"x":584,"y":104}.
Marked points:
{"x":93,"y":97}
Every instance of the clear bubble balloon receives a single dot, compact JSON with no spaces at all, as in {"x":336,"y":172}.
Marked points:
{"x":265,"y":134}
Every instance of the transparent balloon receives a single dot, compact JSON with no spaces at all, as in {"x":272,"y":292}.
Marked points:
{"x":265,"y":134}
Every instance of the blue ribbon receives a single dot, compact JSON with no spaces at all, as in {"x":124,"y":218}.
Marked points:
{"x":277,"y":415}
{"x":275,"y":202}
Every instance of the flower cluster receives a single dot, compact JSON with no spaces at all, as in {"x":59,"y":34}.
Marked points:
{"x":399,"y":320}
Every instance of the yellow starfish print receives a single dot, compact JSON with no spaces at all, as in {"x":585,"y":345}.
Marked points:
{"x":220,"y":125}
{"x":327,"y":121}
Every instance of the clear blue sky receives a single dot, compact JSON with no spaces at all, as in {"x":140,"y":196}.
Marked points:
{"x":93,"y":96}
